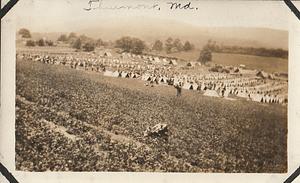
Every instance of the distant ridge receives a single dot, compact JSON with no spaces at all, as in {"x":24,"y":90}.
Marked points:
{"x":151,"y":29}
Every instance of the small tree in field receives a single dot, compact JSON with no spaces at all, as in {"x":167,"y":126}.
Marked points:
{"x":177,"y":45}
{"x":72,"y":37}
{"x":41,"y":42}
{"x":188,"y":46}
{"x":63,"y":38}
{"x":30,"y":43}
{"x":169,"y":45}
{"x":205,"y":55}
{"x":88,"y":47}
{"x":158,"y":46}
{"x":25,"y":33}
{"x":124,"y":43}
{"x":99,"y":42}
{"x":129,"y":44}
{"x":49,"y":43}
{"x":77,"y":44}
{"x":138,"y":46}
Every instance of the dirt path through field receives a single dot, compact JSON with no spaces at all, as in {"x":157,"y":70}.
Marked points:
{"x":62,"y":130}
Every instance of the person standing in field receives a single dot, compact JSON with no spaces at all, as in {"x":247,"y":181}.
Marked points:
{"x":178,"y":89}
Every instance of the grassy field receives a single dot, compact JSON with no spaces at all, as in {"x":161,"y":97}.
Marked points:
{"x":47,"y":49}
{"x":73,"y":120}
{"x":268,"y":64}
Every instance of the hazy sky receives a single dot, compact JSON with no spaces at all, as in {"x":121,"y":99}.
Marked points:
{"x":69,"y":15}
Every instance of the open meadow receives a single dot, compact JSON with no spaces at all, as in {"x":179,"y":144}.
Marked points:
{"x":267,"y":64}
{"x":75,"y":120}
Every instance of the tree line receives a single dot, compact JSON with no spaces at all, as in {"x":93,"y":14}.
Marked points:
{"x":137,"y":46}
{"x":81,"y":42}
{"x":267,"y":52}
{"x":172,"y":45}
{"x":40,"y":42}
{"x":125,"y":43}
{"x":25,"y":33}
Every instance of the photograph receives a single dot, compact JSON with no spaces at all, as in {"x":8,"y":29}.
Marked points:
{"x":141,"y":86}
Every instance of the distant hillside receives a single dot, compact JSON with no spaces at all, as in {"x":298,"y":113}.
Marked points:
{"x":152,"y":29}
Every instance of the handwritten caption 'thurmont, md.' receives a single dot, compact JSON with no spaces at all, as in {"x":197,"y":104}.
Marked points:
{"x":100,"y":5}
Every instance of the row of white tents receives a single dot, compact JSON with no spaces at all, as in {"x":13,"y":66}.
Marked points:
{"x":150,"y":58}
{"x":122,"y":74}
{"x":213,"y":84}
{"x":222,"y":90}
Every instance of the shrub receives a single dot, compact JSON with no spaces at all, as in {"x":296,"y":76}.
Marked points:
{"x":88,"y":47}
{"x":30,"y":43}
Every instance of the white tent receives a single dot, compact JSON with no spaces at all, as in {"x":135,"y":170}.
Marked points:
{"x":226,"y":93}
{"x":262,"y":74}
{"x":191,"y":64}
{"x":267,"y":99}
{"x":107,"y":54}
{"x":116,"y":74}
{"x":176,"y":81}
{"x":211,"y":93}
{"x":187,"y":86}
{"x":242,"y":95}
{"x":146,"y":77}
{"x":198,"y":63}
{"x":173,"y":62}
{"x":195,"y":86}
{"x":202,"y":87}
{"x":242,"y":66}
{"x":124,"y":75}
{"x":156,"y":59}
{"x":108,"y":73}
{"x":163,"y":79}
{"x":133,"y":75}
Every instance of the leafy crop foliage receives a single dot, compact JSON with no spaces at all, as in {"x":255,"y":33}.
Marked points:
{"x":107,"y":117}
